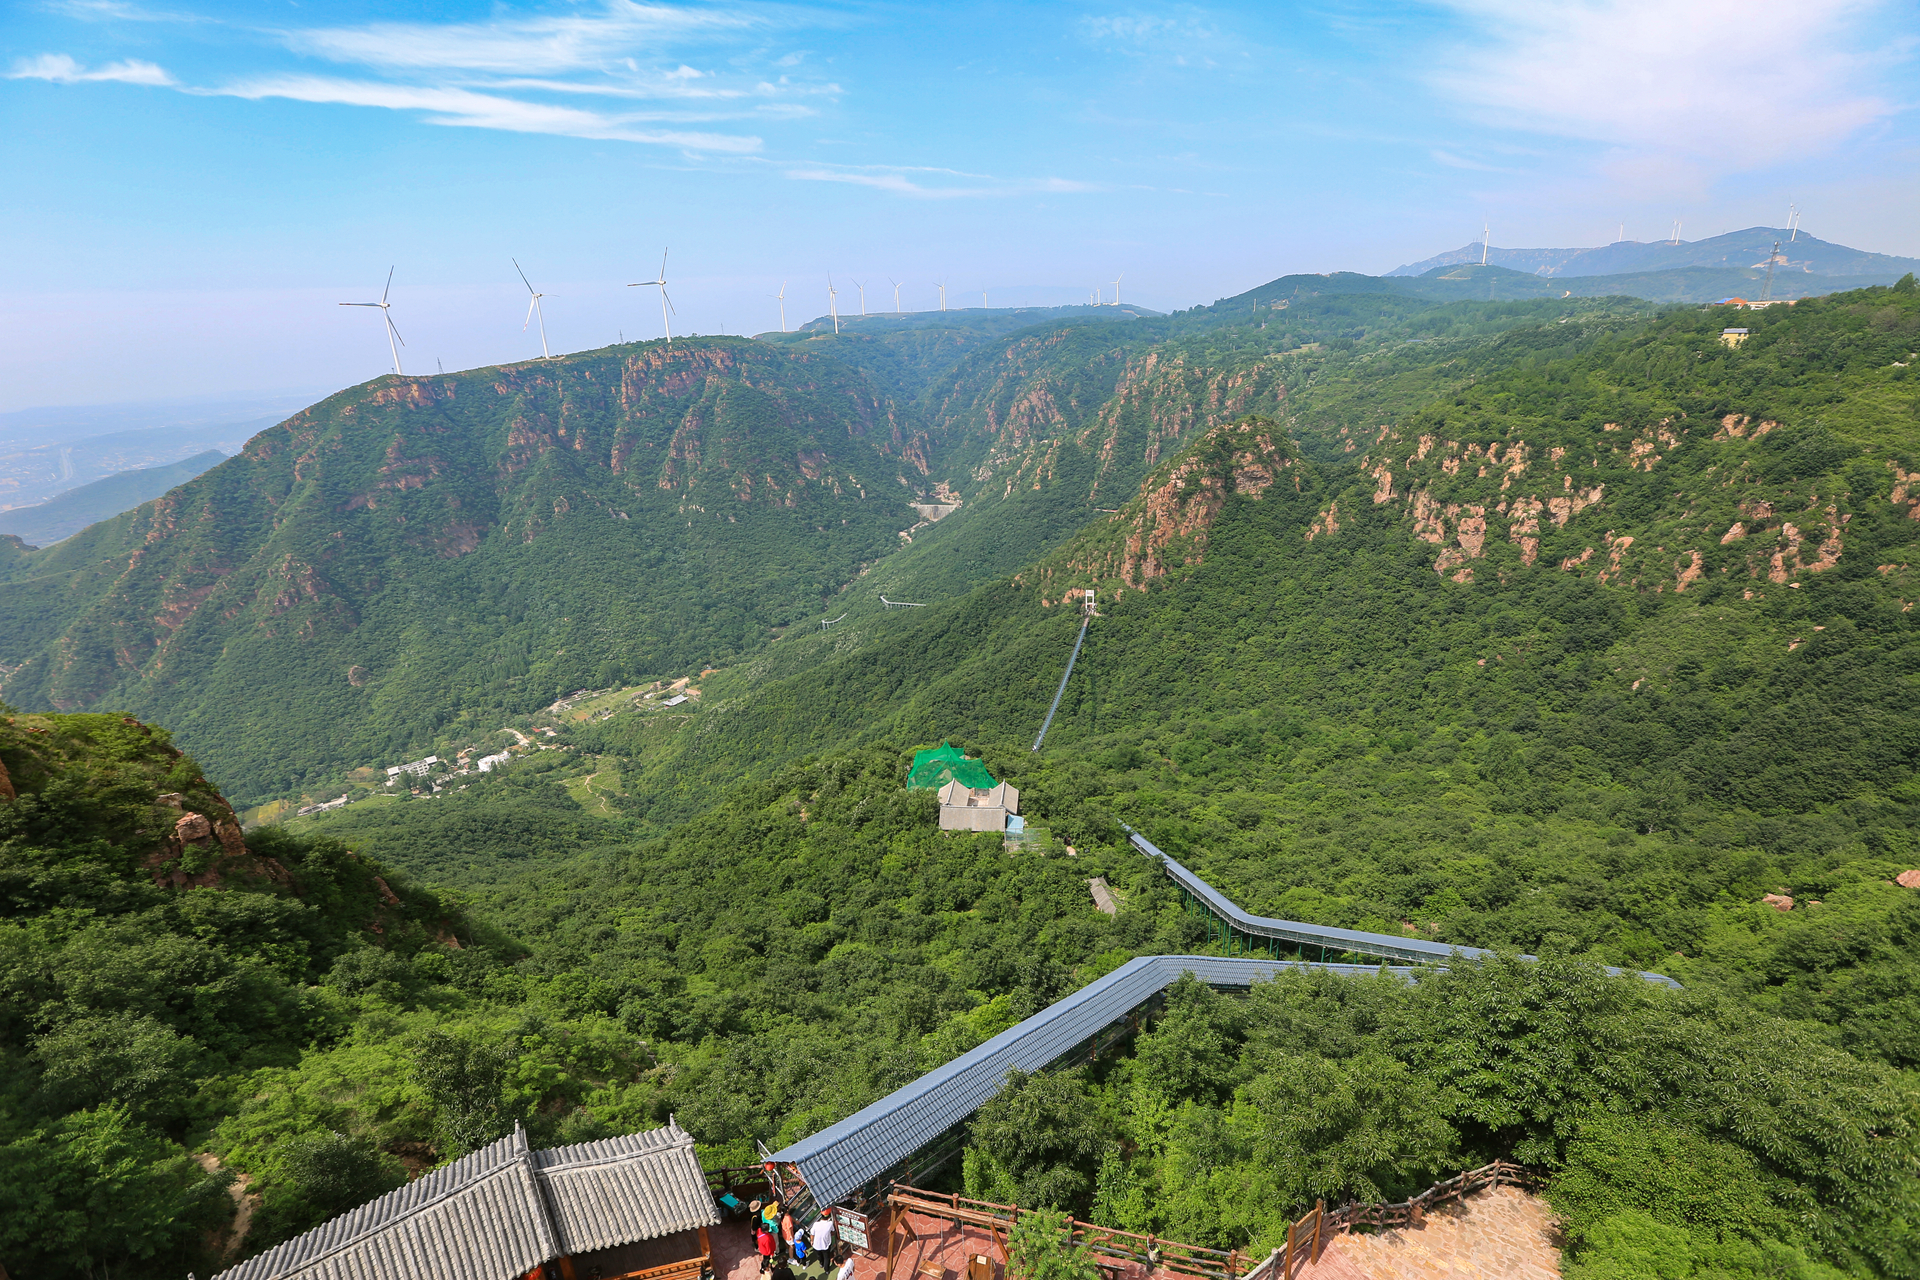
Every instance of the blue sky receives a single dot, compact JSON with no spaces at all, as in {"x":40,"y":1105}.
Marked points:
{"x":194,"y":186}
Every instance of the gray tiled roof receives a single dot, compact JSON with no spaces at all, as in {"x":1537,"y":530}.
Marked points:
{"x":502,"y":1211}
{"x":638,"y":1187}
{"x":1296,"y":932}
{"x":840,"y":1158}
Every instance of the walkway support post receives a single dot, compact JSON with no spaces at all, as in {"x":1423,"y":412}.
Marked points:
{"x":1068,"y":674}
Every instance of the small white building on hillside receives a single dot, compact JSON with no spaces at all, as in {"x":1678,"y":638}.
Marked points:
{"x":964,"y":808}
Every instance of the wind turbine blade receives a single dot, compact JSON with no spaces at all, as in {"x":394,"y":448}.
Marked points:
{"x":523,"y":277}
{"x":663,"y":266}
{"x":669,"y":301}
{"x":359,"y":304}
{"x":531,"y":304}
{"x":389,"y":289}
{"x":396,"y":332}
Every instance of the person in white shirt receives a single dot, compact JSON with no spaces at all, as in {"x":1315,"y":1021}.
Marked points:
{"x":846,"y":1269}
{"x":822,"y":1233}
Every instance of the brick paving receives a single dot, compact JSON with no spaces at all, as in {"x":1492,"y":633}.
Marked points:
{"x":1498,"y":1234}
{"x":928,"y":1248}
{"x":1501,"y":1233}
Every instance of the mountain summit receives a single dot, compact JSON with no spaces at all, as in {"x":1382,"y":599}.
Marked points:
{"x":1799,"y":253}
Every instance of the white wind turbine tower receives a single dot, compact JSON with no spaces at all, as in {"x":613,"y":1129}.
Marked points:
{"x":533,"y":309}
{"x":983,"y":297}
{"x":942,"y":286}
{"x":782,"y":297}
{"x":896,"y":294}
{"x":666,"y":303}
{"x":863,"y":296}
{"x":833,"y":308}
{"x":386,"y":311}
{"x":1486,"y":240}
{"x":1116,"y":287}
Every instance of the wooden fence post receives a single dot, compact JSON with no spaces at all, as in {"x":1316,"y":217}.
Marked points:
{"x":1287,"y":1270}
{"x":1319,"y":1221}
{"x":891,"y":1255}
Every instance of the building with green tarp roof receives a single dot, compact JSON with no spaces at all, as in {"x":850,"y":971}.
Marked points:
{"x":937,"y":766}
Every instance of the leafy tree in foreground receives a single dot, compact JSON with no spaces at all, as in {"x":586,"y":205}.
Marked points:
{"x":1040,"y":1247}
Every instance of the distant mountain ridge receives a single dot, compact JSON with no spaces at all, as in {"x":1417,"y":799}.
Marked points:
{"x":1800,"y":253}
{"x":68,"y":513}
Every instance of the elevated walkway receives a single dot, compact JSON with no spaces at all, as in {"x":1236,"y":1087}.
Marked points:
{"x":1242,"y":931}
{"x":856,"y":1153}
{"x":855,"y":1158}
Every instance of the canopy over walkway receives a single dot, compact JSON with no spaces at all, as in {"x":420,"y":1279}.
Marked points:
{"x":857,"y":1152}
{"x":1240,"y":930}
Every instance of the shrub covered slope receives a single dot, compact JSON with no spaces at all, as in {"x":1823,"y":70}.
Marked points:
{"x":1578,"y":638}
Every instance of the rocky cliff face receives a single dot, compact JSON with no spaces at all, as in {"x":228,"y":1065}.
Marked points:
{"x":1166,"y":527}
{"x":1659,"y":507}
{"x":1088,"y":406}
{"x":151,"y":802}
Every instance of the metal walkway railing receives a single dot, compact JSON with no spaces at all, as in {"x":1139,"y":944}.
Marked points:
{"x":1247,"y":934}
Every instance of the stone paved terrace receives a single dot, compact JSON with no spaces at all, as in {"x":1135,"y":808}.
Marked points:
{"x":1498,"y":1234}
{"x":940,"y":1253}
{"x":1501,"y":1233}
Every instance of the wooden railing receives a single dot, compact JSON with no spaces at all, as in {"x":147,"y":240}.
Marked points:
{"x":750,"y":1178}
{"x":1122,"y":1247}
{"x":1308,"y":1236}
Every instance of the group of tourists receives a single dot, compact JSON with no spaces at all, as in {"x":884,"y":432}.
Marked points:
{"x":789,"y":1249}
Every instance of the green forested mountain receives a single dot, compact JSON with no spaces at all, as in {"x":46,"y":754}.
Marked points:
{"x":411,"y":561}
{"x":1559,"y":627}
{"x":428,"y":552}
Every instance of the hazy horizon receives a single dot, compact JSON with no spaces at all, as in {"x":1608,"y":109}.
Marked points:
{"x":204,"y":186}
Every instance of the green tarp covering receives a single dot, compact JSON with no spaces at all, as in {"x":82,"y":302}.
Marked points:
{"x":940,"y":765}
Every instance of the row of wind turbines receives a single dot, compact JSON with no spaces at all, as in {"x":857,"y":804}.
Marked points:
{"x":667,"y":309}
{"x":534,"y":309}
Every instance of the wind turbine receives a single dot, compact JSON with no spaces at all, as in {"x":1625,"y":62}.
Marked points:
{"x":666,"y":303}
{"x":1486,"y":240}
{"x":896,"y":294}
{"x":1793,"y":223}
{"x":832,"y":306}
{"x":1116,"y":287}
{"x":983,"y":297}
{"x":533,"y":309}
{"x":386,"y":311}
{"x":863,"y":296}
{"x":1676,"y":232}
{"x":782,"y":297}
{"x":942,"y":286}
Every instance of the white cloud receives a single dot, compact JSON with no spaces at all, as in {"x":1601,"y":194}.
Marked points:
{"x":454,"y":106}
{"x":1702,"y":85}
{"x":526,"y":46}
{"x":918,"y":187}
{"x":61,"y":69}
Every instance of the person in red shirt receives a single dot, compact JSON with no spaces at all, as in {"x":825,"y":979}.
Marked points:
{"x":763,"y":1241}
